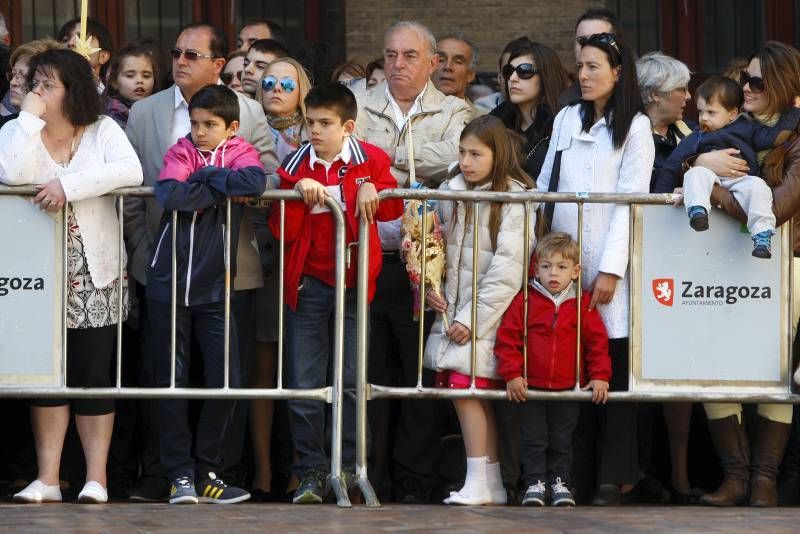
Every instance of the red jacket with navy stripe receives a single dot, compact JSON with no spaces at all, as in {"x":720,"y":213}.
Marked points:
{"x":552,"y":338}
{"x":309,"y":232}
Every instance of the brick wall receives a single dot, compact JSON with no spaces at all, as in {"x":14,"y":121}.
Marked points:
{"x":489,"y":23}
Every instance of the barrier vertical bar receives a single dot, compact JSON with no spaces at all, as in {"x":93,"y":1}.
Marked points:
{"x":362,"y":351}
{"x":174,"y":300}
{"x":120,"y":286}
{"x":474,"y":304}
{"x":578,"y":299}
{"x":422,"y":288}
{"x":337,"y":480}
{"x":227,"y":259}
{"x":281,"y":259}
{"x":64,"y":294}
{"x":526,"y":267}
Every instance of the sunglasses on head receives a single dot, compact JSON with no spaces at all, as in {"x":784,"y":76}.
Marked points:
{"x":227,"y":77}
{"x":525,"y":71}
{"x":287,"y":84}
{"x":756,"y":82}
{"x":606,"y":38}
{"x":191,"y":55}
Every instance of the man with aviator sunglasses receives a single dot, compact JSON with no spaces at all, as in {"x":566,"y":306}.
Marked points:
{"x":154,"y":125}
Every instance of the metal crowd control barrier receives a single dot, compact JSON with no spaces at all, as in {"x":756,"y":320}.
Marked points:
{"x":366,"y":391}
{"x":332,"y":394}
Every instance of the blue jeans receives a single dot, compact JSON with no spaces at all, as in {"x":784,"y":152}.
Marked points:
{"x":309,"y":365}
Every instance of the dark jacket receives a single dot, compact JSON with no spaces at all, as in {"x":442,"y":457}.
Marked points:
{"x":537,"y":136}
{"x":676,"y":133}
{"x":198,"y":193}
{"x":744,"y":134}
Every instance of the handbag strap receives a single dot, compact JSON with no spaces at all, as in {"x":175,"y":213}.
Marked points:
{"x":555,"y":174}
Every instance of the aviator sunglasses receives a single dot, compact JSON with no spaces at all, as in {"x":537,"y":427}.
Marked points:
{"x":525,"y":71}
{"x":191,"y":55}
{"x":287,"y":84}
{"x":756,"y":82}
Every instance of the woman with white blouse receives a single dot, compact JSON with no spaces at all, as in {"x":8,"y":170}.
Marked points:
{"x":73,"y":154}
{"x":604,"y":144}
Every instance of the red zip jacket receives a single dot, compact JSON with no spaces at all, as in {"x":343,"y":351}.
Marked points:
{"x":309,"y":232}
{"x":552,"y":337}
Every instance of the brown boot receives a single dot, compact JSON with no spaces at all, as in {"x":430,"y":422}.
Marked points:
{"x":767,"y":457}
{"x":730,"y":441}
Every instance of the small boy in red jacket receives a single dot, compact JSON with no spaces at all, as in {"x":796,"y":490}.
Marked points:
{"x":333,"y":165}
{"x":547,"y":426}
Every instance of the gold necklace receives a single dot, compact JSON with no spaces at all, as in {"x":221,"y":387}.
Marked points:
{"x":72,"y":148}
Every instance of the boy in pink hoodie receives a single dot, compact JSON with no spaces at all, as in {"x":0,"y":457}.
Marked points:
{"x":201,"y":171}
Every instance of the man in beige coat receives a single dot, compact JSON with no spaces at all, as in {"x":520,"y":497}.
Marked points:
{"x":407,"y":102}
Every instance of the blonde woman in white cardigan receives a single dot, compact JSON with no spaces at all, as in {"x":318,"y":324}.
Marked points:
{"x":605,"y":145}
{"x":61,"y":143}
{"x":487,"y":162}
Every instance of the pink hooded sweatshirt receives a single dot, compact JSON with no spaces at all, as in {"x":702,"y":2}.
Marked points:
{"x":183,"y":158}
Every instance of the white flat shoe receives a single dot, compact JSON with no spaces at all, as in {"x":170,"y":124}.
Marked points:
{"x":93,"y":493}
{"x":499,"y":496}
{"x":38,"y":492}
{"x":797,"y":376}
{"x":469,"y":500}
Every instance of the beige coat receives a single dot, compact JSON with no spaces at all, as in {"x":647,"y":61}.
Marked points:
{"x":435,"y":130}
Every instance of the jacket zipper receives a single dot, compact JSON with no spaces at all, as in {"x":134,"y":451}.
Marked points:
{"x":158,"y":247}
{"x":191,"y":252}
{"x":553,"y":351}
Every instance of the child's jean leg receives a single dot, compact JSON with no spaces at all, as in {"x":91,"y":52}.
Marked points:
{"x":755,"y":197}
{"x":533,"y":441}
{"x":214,"y":423}
{"x":562,"y":418}
{"x":349,"y":381}
{"x":697,"y":185}
{"x":308,"y":344}
{"x":175,"y":436}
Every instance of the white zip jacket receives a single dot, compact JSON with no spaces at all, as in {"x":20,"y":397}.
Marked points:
{"x":590,"y":163}
{"x":500,"y":278}
{"x":104,"y":161}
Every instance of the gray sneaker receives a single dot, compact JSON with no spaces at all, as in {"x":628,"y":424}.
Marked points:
{"x":312,"y":488}
{"x":182,"y":491}
{"x":561,"y":496}
{"x":534,"y":495}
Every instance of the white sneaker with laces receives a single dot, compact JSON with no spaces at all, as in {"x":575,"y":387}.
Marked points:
{"x":93,"y":493}
{"x":38,"y":492}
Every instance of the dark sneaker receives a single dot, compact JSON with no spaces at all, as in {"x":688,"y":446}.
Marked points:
{"x":182,"y":491}
{"x":698,"y":218}
{"x":534,"y":495}
{"x":213,"y":490}
{"x":312,"y":488}
{"x":762,"y":245}
{"x":560,"y":496}
{"x":151,"y":489}
{"x":410,"y":490}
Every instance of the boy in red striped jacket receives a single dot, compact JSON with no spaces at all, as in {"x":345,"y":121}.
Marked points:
{"x":546,"y":426}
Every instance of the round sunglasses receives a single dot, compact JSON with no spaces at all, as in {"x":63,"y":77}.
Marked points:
{"x":287,"y":84}
{"x":525,"y":71}
{"x":756,"y":82}
{"x":227,"y":77}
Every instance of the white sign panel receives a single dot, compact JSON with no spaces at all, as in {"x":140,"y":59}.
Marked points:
{"x":30,"y":294}
{"x":709,"y":314}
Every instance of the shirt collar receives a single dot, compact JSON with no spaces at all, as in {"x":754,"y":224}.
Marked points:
{"x":179,"y":100}
{"x":345,"y":155}
{"x":400,"y":118}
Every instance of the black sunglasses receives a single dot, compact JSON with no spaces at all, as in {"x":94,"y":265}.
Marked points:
{"x":756,"y":82}
{"x":606,"y":38}
{"x":525,"y":71}
{"x":227,"y":77}
{"x":191,"y":55}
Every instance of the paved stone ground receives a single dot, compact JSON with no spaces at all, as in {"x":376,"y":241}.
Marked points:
{"x":119,"y":518}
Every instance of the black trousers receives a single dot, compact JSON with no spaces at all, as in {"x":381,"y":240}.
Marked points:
{"x":175,"y":436}
{"x":394,"y":336}
{"x":546,"y":440}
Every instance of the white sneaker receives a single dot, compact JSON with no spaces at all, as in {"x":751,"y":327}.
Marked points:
{"x":38,"y":492}
{"x":797,"y":376}
{"x":93,"y":493}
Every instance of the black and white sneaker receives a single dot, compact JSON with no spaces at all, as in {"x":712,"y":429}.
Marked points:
{"x":215,"y":491}
{"x":561,"y":496}
{"x":534,"y":495}
{"x":182,"y":491}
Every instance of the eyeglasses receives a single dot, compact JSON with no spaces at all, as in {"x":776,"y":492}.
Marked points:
{"x":13,"y":74}
{"x":191,"y":55}
{"x":227,"y":77}
{"x":756,"y":82}
{"x":606,"y":38}
{"x":525,"y":71}
{"x":287,"y":84}
{"x":47,"y":85}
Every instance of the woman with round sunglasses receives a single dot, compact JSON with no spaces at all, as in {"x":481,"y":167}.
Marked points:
{"x":231,"y":74}
{"x":604,"y":144}
{"x":281,"y":91}
{"x":534,"y":79}
{"x":771,"y":82}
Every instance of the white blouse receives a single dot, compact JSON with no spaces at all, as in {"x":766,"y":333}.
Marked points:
{"x":590,"y":163}
{"x":104,"y":161}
